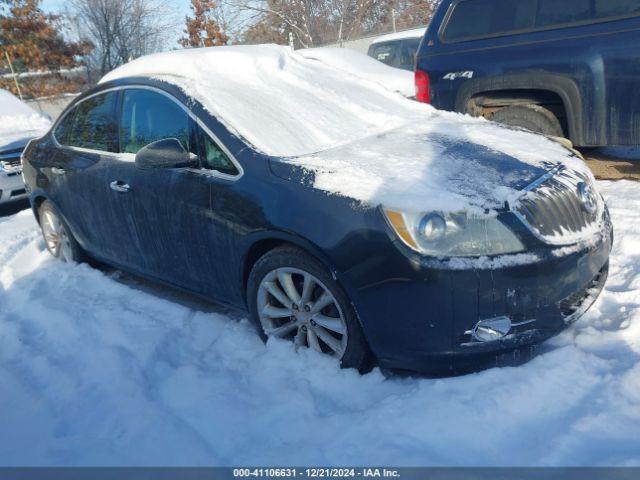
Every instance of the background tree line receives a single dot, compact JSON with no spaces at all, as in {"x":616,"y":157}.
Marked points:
{"x":100,"y":35}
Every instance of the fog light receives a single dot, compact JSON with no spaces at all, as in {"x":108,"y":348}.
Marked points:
{"x":491,"y":330}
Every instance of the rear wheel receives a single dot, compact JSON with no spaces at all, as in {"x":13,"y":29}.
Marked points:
{"x":292,"y":296}
{"x":57,"y":236}
{"x":532,"y":117}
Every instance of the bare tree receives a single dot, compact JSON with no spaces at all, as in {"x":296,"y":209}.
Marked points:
{"x":121,"y":30}
{"x":412,"y":13}
{"x":311,"y":22}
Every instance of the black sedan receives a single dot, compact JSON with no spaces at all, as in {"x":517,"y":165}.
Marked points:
{"x":141,"y":175}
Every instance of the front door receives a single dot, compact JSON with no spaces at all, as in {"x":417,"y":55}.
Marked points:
{"x":172,"y":211}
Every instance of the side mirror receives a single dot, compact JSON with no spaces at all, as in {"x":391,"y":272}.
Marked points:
{"x":166,"y":153}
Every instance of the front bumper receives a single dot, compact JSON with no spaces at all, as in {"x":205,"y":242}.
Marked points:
{"x":418,"y":317}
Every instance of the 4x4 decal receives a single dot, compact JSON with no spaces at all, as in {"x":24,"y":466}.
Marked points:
{"x":454,"y":75}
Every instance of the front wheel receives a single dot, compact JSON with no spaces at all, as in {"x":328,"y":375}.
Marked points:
{"x":292,"y":296}
{"x":57,"y":237}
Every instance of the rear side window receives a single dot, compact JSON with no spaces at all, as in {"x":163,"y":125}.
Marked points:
{"x":91,"y":124}
{"x":484,"y":18}
{"x":64,"y":128}
{"x":554,"y":12}
{"x":408,"y":53}
{"x":471,"y":19}
{"x":615,"y":8}
{"x":384,"y":52}
{"x":149,"y":116}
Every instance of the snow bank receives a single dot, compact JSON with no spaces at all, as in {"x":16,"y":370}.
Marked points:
{"x":19,"y":121}
{"x":394,"y":151}
{"x":97,"y":369}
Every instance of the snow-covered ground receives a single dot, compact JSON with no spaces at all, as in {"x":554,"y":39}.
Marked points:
{"x":97,"y":368}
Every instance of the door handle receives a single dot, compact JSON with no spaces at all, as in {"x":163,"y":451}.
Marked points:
{"x":58,"y":171}
{"x":119,"y":187}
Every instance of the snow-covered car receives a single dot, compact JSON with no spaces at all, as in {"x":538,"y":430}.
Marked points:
{"x":397,"y":49}
{"x":340,"y":215}
{"x":19,"y":123}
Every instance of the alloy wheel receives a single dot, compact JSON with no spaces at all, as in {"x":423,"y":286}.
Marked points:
{"x":296,"y":305}
{"x":56,"y":236}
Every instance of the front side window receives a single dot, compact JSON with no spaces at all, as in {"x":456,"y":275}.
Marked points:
{"x":212,"y":157}
{"x":148,"y":116}
{"x":485,"y":18}
{"x":91,"y":124}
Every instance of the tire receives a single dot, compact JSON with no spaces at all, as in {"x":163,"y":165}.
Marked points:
{"x":532,"y":117}
{"x":57,"y":235}
{"x":297,"y":321}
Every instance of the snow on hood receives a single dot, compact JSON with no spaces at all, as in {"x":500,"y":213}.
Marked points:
{"x":18,"y":122}
{"x":449,"y":163}
{"x":362,"y":140}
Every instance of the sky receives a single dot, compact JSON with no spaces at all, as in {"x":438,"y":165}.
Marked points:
{"x":181,"y":10}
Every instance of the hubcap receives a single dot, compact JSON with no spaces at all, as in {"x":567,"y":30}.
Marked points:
{"x":294,"y":304}
{"x":56,"y":237}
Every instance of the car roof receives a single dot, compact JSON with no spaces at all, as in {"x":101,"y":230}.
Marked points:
{"x":405,"y":34}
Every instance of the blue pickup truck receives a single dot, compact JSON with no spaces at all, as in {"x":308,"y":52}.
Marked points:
{"x":566,"y":68}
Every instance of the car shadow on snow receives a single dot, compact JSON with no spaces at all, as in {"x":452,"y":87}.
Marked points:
{"x":13,"y":208}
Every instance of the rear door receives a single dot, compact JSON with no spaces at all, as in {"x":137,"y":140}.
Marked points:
{"x":88,"y":141}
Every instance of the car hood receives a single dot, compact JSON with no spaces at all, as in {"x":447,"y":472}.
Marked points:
{"x":449,"y":165}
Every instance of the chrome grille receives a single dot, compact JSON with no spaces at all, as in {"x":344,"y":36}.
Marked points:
{"x":11,"y":162}
{"x":554,"y":209}
{"x":11,"y":165}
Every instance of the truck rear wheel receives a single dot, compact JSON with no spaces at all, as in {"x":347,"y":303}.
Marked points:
{"x":532,"y":117}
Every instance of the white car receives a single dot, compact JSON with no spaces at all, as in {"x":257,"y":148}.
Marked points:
{"x":398,"y":49}
{"x":19,"y":123}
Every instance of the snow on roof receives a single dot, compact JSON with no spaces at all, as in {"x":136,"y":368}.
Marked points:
{"x":362,"y":140}
{"x":361,"y":65}
{"x":279,"y":100}
{"x":18,"y":122}
{"x":413,"y":33}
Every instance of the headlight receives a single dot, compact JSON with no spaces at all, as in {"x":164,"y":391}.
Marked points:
{"x":454,"y":235}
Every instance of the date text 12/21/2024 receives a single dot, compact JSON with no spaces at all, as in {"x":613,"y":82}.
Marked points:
{"x":315,"y":473}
